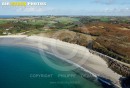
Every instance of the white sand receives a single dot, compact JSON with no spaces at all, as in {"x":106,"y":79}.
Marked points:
{"x":13,"y":36}
{"x":93,"y":63}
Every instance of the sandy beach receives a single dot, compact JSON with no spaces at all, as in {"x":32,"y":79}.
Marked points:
{"x":72,"y":52}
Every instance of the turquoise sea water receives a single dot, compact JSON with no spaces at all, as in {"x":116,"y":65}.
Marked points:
{"x":24,"y":68}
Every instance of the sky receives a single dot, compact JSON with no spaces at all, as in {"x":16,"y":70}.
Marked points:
{"x":71,"y":7}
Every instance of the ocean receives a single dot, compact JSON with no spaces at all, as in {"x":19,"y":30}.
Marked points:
{"x":22,"y":67}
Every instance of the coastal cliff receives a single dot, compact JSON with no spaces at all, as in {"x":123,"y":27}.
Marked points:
{"x":119,"y":67}
{"x":87,"y":41}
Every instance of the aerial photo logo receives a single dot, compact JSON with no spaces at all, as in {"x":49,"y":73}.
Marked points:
{"x":22,"y":3}
{"x":64,"y":43}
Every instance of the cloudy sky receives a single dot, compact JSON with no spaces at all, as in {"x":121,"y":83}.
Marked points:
{"x":71,"y":7}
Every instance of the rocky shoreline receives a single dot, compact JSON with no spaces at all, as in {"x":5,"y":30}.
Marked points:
{"x":119,"y":67}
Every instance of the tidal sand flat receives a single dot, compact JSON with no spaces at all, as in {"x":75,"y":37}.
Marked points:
{"x":19,"y":65}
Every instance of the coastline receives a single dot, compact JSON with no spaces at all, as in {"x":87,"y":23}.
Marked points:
{"x":94,"y":64}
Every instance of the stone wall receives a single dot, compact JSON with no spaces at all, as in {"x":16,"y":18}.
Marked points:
{"x":117,"y":66}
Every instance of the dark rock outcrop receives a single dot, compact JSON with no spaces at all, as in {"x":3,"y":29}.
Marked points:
{"x":117,"y":66}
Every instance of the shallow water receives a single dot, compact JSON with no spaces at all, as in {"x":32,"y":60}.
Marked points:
{"x":24,"y":68}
